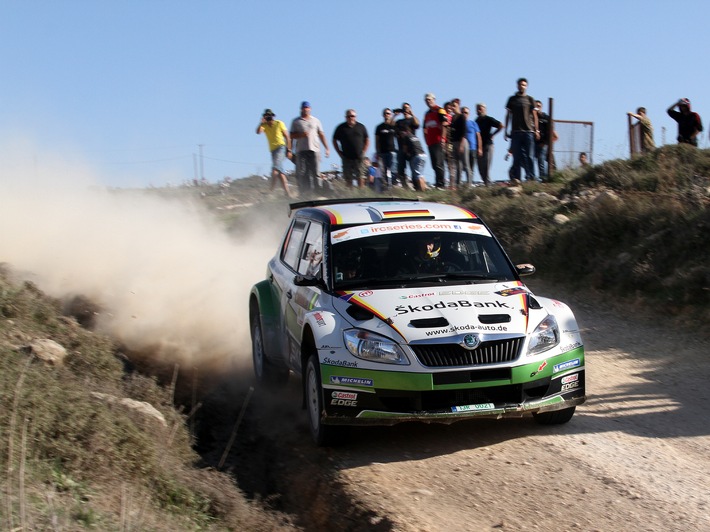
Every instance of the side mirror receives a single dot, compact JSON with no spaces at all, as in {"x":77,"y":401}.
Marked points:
{"x":525,"y":269}
{"x":308,"y":280}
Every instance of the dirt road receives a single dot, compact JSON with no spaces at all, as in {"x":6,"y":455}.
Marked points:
{"x":636,"y":456}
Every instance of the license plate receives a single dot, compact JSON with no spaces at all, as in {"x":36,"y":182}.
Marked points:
{"x":471,"y":408}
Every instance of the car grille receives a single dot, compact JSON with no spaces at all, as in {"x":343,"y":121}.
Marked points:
{"x":451,"y":355}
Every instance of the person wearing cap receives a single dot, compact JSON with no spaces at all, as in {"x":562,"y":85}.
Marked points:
{"x":689,"y":123}
{"x":351,"y":141}
{"x":434,"y":121}
{"x":385,"y":147}
{"x":278,"y":138}
{"x":306,"y":138}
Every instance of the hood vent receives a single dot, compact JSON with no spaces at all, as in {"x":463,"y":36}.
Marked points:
{"x":359,"y":313}
{"x":429,"y":323}
{"x":494,"y":318}
{"x":533,"y":303}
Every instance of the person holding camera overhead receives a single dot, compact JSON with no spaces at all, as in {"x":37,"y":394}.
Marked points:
{"x":689,"y":123}
{"x":408,"y":121}
{"x":277,"y":135}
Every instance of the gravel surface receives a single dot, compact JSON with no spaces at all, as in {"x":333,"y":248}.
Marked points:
{"x":636,"y":456}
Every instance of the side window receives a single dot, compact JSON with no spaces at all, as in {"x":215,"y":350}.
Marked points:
{"x":294,"y":242}
{"x":312,"y":253}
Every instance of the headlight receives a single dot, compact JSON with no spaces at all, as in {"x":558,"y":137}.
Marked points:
{"x":373,"y":347}
{"x":545,"y":336}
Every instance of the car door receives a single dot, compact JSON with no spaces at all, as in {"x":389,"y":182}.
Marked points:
{"x":303,"y":254}
{"x":282,"y":276}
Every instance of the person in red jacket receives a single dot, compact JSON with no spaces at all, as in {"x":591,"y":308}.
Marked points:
{"x":434,"y":121}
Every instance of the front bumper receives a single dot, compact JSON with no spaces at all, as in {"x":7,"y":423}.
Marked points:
{"x":359,"y":397}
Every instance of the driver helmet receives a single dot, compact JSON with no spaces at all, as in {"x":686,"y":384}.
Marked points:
{"x":430,"y":247}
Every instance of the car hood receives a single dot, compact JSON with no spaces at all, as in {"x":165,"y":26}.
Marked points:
{"x":431,"y":313}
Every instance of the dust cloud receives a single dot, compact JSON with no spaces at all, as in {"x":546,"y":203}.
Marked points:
{"x":169,"y":279}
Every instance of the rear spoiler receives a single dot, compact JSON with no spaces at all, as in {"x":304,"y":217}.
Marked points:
{"x":317,"y":203}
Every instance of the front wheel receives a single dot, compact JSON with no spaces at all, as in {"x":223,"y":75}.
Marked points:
{"x":556,"y":417}
{"x":323,"y":435}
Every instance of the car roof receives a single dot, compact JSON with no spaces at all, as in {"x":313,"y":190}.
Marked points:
{"x":354,"y":212}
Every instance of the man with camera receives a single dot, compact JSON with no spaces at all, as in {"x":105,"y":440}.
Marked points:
{"x":277,"y":135}
{"x":410,"y":123}
{"x":689,"y":123}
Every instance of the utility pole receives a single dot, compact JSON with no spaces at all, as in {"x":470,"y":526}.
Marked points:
{"x":202,"y":163}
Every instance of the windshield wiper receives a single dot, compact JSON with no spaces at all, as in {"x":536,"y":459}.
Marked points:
{"x":357,"y":284}
{"x":471,"y":276}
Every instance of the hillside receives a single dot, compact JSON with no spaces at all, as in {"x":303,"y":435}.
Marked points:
{"x":78,"y":455}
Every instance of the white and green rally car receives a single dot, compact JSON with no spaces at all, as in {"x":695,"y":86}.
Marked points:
{"x":396,"y":310}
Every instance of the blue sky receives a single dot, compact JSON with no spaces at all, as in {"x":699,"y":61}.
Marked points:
{"x":130,"y":88}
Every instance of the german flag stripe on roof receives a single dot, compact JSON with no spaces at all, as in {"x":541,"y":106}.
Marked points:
{"x":406,"y":213}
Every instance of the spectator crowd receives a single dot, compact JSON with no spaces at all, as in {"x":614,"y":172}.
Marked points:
{"x":457,"y":143}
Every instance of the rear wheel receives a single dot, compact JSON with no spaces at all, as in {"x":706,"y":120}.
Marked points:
{"x":265,"y":371}
{"x":323,"y":435}
{"x":556,"y":417}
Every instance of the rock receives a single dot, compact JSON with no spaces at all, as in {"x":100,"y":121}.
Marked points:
{"x":606,"y":196}
{"x":145,"y":409}
{"x":48,"y":350}
{"x":545,"y":196}
{"x":560,"y":219}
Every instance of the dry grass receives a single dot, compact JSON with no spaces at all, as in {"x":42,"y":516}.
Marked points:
{"x":74,"y":462}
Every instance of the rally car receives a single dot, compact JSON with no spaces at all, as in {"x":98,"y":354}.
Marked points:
{"x":397,"y":310}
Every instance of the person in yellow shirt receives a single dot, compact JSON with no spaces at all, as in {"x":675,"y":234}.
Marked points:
{"x":277,"y":135}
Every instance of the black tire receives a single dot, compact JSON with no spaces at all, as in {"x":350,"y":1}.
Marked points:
{"x":323,"y":435}
{"x":556,"y":417}
{"x":266,"y":373}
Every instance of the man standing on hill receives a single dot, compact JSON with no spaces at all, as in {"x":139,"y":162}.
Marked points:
{"x":489,"y":128}
{"x":472,"y":147}
{"x":306,"y":131}
{"x":277,"y":135}
{"x":351,"y":141}
{"x":385,"y":147}
{"x":689,"y":123}
{"x":542,"y":144}
{"x":434,"y":121}
{"x":457,"y":139}
{"x":647,"y":143}
{"x":521,"y":115}
{"x":410,"y":122}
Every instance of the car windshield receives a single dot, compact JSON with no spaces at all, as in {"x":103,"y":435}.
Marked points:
{"x":410,"y":258}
